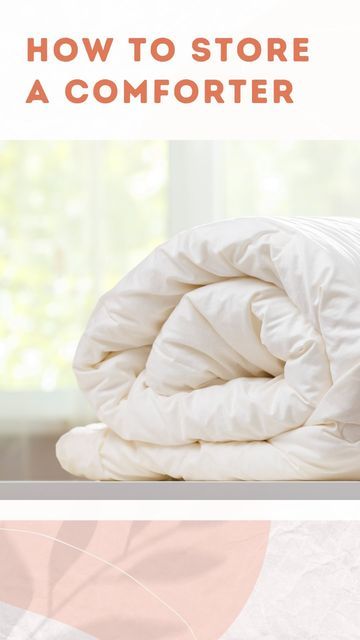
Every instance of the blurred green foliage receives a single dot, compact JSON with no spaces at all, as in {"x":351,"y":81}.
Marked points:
{"x":74,"y":217}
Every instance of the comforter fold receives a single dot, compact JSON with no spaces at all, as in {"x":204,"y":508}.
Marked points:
{"x":231,"y":352}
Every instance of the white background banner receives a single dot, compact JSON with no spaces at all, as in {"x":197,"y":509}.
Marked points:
{"x":325,"y":89}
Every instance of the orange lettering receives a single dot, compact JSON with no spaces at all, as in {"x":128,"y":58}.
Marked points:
{"x":41,"y":48}
{"x":37,"y":93}
{"x":69,"y":91}
{"x":97,"y":49}
{"x":202,"y":53}
{"x":282,"y":90}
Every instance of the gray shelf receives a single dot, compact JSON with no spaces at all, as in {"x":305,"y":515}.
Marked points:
{"x":84,"y":490}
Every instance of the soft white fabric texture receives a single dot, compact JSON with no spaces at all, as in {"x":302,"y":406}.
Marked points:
{"x":231,"y":353}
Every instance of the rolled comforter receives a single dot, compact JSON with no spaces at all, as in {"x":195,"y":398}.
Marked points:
{"x":232,"y":352}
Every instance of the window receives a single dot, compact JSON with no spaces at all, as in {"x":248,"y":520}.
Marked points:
{"x":75,"y":216}
{"x":305,"y":178}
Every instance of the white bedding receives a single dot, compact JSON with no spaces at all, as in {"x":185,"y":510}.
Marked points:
{"x":232,"y":352}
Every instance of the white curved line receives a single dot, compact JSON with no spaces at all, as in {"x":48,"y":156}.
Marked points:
{"x":109,"y":564}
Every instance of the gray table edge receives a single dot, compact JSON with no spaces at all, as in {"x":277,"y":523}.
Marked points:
{"x":176,"y":490}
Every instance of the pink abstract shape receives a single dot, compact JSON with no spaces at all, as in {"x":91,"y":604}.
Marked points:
{"x":183,"y":580}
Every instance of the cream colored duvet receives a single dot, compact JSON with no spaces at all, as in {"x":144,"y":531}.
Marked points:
{"x":231,"y":353}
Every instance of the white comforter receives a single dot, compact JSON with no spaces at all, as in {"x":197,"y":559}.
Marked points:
{"x":231,"y":353}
